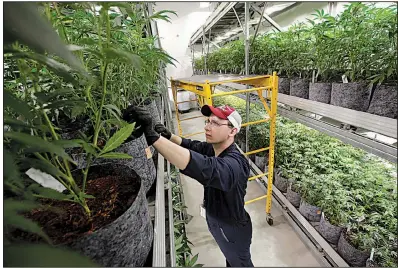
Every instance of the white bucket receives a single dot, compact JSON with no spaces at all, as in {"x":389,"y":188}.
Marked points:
{"x":183,"y":96}
{"x":193,"y":104}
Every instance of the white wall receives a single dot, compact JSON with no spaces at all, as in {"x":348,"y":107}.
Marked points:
{"x":175,"y":36}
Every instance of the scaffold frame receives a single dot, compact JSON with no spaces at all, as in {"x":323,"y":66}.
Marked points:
{"x":205,"y":92}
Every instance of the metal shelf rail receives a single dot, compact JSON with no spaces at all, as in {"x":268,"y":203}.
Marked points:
{"x":204,"y":90}
{"x":374,"y":123}
{"x":321,"y":249}
{"x":163,"y":188}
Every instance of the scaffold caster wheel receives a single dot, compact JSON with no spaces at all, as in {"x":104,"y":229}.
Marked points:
{"x":270,"y":220}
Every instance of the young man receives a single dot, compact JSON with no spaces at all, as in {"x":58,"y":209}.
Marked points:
{"x":219,"y":166}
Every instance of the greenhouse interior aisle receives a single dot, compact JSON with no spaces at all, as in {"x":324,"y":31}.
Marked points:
{"x":276,"y":245}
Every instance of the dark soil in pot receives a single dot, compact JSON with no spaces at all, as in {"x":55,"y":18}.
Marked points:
{"x":280,"y":182}
{"x":120,"y":231}
{"x":284,"y":85}
{"x":329,"y":231}
{"x":140,"y":162}
{"x":384,"y":101}
{"x":310,"y":212}
{"x":320,"y":92}
{"x":350,"y":254}
{"x":355,"y":96}
{"x":293,"y":197}
{"x":299,"y":88}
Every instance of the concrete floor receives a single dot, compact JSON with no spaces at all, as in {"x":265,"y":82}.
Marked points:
{"x":276,"y":245}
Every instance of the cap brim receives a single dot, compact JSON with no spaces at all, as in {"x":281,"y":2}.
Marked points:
{"x":207,"y":110}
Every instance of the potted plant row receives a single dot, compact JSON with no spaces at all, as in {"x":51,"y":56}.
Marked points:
{"x":350,"y":194}
{"x":349,"y":60}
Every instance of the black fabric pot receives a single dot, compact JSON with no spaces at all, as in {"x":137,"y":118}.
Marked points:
{"x":384,"y":101}
{"x":310,"y":212}
{"x":329,"y":231}
{"x":143,"y":166}
{"x":280,"y":182}
{"x":299,"y":88}
{"x":350,"y":254}
{"x":355,"y":96}
{"x":158,"y":101}
{"x":320,"y":92}
{"x":284,"y":85}
{"x":293,"y":197}
{"x":260,"y":162}
{"x":153,"y":109}
{"x":127,"y":241}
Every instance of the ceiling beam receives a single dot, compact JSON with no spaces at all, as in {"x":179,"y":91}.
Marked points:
{"x":268,"y":18}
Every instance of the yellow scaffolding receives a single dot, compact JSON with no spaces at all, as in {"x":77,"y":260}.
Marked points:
{"x":204,"y":91}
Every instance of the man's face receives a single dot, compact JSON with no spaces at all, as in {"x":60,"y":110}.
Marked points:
{"x":218,"y":130}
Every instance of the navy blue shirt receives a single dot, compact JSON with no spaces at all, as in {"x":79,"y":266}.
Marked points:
{"x":224,"y":179}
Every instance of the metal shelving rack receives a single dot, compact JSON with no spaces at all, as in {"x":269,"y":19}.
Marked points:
{"x":163,"y":210}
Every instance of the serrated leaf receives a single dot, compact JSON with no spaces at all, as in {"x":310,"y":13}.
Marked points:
{"x":36,"y":142}
{"x":114,"y":155}
{"x":47,"y":96}
{"x":118,"y":138}
{"x":125,"y":56}
{"x":193,"y":260}
{"x":83,"y":196}
{"x":21,"y":124}
{"x":178,"y":243}
{"x":40,"y":255}
{"x":69,"y":143}
{"x":77,"y":110}
{"x":45,"y":192}
{"x":66,"y":103}
{"x":23,"y":22}
{"x":113,"y":110}
{"x":88,"y":196}
{"x":72,"y":47}
{"x":17,"y":105}
{"x":12,"y":218}
{"x":87,"y":41}
{"x":58,"y":68}
{"x":11,"y":173}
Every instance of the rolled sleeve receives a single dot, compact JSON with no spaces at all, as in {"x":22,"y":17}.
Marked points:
{"x":216,"y":172}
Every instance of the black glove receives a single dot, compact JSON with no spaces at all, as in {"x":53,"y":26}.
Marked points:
{"x":143,"y":119}
{"x":161,"y":129}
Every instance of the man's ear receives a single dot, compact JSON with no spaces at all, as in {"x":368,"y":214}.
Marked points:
{"x":234,"y":131}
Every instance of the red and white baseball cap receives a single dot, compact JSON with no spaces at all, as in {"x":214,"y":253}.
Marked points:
{"x":224,"y":112}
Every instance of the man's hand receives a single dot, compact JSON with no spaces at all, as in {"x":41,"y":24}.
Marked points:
{"x":143,"y":118}
{"x":161,"y":129}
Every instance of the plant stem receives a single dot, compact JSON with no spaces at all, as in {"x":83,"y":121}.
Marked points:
{"x":99,"y":112}
{"x":85,"y":172}
{"x":62,"y":25}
